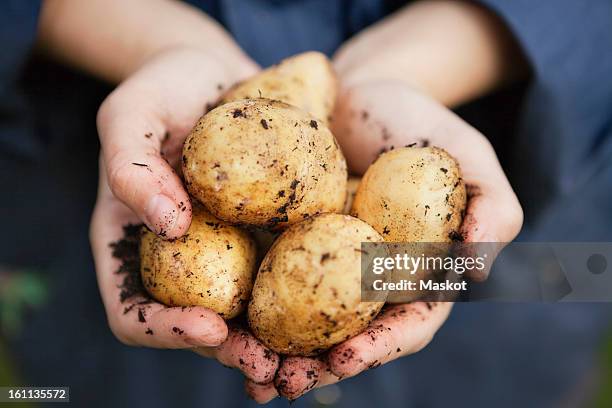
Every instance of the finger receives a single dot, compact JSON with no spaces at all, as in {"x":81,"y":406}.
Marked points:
{"x":399,"y":331}
{"x":131,"y":138}
{"x":145,"y":323}
{"x":261,"y":393}
{"x":243,"y":351}
{"x":298,"y":375}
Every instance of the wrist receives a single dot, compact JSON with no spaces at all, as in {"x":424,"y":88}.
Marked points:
{"x":454,"y":51}
{"x":111,"y":39}
{"x":378,"y":69}
{"x":229,"y":67}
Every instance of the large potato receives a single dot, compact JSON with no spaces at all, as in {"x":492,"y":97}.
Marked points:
{"x":264,"y":163}
{"x":212,"y":266}
{"x":306,"y":80}
{"x":307,"y":294}
{"x":412,"y":194}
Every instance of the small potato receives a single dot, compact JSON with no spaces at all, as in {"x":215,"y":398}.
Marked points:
{"x":306,"y":81}
{"x":351,"y":189}
{"x":412,"y":194}
{"x":264,"y":163}
{"x":212,"y":266}
{"x":307,"y":294}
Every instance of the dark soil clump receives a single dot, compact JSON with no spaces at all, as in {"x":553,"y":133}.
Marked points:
{"x":127,"y":251}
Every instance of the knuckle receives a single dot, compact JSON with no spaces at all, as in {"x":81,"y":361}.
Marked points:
{"x":119,"y":175}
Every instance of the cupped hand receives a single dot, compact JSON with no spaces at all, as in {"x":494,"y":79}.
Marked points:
{"x":375,"y":116}
{"x":142,"y":126}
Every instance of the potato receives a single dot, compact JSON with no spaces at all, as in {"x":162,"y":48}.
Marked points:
{"x":306,"y":81}
{"x":212,"y":266}
{"x":351,"y":189}
{"x":264,"y":163}
{"x":307,"y":294}
{"x":412,"y":195}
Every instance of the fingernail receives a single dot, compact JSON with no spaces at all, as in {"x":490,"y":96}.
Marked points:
{"x":162,"y":214}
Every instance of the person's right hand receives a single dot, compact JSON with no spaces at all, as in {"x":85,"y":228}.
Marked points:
{"x":142,"y":126}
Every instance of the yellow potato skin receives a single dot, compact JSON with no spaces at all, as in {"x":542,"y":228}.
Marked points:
{"x":412,"y":194}
{"x":306,"y":80}
{"x":307,"y":294}
{"x":211,"y":266}
{"x":264,"y":163}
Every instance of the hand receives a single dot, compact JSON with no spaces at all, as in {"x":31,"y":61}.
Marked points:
{"x":369,"y":118}
{"x":377,"y":115}
{"x":142,"y":125}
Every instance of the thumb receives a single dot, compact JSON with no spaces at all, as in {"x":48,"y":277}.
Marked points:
{"x":138,"y":176}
